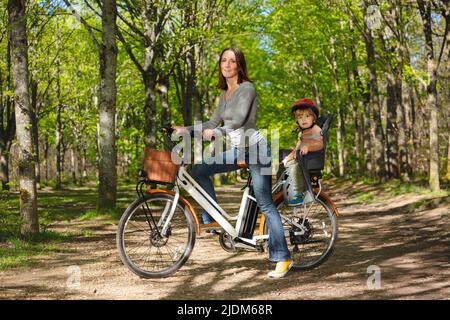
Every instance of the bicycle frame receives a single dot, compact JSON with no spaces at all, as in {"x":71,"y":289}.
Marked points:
{"x":188,"y":183}
{"x":140,"y":245}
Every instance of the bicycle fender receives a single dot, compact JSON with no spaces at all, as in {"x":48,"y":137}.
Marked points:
{"x":184,"y":201}
{"x":329,"y":201}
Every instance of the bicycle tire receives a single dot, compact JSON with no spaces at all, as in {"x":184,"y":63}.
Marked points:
{"x":299,"y":259}
{"x":149,"y":239}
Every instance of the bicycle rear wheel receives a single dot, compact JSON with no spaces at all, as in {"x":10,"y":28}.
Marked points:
{"x":142,"y":246}
{"x":314,"y":244}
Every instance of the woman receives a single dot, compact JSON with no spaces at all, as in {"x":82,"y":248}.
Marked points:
{"x":237,"y":108}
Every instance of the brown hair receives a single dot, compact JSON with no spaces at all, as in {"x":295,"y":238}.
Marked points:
{"x":242,"y":68}
{"x":297,"y":112}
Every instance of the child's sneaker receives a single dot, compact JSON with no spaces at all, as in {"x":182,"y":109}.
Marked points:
{"x":281,"y":269}
{"x":296,"y":199}
{"x":309,"y":197}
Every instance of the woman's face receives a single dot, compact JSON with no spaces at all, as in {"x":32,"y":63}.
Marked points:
{"x":228,"y":64}
{"x":305,"y":118}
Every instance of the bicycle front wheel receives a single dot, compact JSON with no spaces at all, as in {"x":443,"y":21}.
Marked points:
{"x":143,"y":246}
{"x":311,"y":234}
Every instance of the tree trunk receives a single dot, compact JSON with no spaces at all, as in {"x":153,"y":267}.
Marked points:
{"x":448,"y":99}
{"x":80,"y":166}
{"x":403,"y":113}
{"x":83,"y":165}
{"x":448,"y":150}
{"x":391,"y":130}
{"x":150,"y":74}
{"x":404,"y":116}
{"x":34,"y":89}
{"x":26,"y":160}
{"x":376,"y":129}
{"x":63,"y":156}
{"x":163,"y":89}
{"x":58,"y":141}
{"x":425,"y":12}
{"x":190,"y":68}
{"x":73,"y":165}
{"x":413,"y":124}
{"x":4,"y":168}
{"x":150,"y":110}
{"x":127,"y":161}
{"x":362,"y":156}
{"x":107,"y":188}
{"x":339,"y":131}
{"x":353,"y":103}
{"x":7,"y":115}
{"x":46,"y":148}
{"x":404,"y":134}
{"x":58,"y":133}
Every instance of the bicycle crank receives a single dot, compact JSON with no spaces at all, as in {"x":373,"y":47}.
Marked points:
{"x":227,"y":243}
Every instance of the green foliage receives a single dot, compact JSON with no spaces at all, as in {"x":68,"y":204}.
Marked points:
{"x":93,"y":214}
{"x":67,"y":205}
{"x":287,"y":45}
{"x":23,"y":251}
{"x":369,"y":191}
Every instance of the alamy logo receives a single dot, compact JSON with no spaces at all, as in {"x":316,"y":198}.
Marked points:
{"x":74,"y":278}
{"x":374,"y":280}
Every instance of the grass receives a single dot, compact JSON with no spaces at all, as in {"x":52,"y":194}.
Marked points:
{"x":364,"y":197}
{"x":24,"y":251}
{"x":370,"y":192}
{"x":53,"y":207}
{"x":93,"y":214}
{"x":80,"y":203}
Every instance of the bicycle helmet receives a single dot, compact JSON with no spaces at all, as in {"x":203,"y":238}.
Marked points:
{"x":305,"y":103}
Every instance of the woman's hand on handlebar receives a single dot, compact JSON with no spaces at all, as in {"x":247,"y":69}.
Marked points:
{"x":209,"y":134}
{"x":180,"y":130}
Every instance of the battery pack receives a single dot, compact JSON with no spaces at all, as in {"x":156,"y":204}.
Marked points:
{"x":249,"y":217}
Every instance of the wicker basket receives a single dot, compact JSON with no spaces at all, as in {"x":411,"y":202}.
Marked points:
{"x":159,"y":166}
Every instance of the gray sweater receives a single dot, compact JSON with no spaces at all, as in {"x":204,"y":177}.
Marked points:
{"x":234,"y":111}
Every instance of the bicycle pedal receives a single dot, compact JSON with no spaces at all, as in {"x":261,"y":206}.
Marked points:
{"x":260,"y":248}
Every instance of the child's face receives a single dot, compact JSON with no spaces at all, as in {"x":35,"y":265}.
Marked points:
{"x":304,"y":118}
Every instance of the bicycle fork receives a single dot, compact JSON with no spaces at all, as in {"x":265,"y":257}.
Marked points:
{"x":168,"y":213}
{"x":166,"y":216}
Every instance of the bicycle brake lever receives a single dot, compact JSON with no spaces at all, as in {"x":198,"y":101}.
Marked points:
{"x":167,"y":129}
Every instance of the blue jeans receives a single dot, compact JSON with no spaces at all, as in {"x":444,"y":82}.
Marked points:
{"x":262,"y":185}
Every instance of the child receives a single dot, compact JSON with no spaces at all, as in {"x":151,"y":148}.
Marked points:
{"x":310,"y":139}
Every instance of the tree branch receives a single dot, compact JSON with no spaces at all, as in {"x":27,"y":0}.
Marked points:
{"x":99,"y":14}
{"x":85,"y":24}
{"x":446,"y":14}
{"x":130,"y":25}
{"x":129,"y":51}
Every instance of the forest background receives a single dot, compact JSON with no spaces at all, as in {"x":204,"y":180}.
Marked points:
{"x":85,"y":85}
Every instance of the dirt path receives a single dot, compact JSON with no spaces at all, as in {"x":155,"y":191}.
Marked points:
{"x":407,"y":238}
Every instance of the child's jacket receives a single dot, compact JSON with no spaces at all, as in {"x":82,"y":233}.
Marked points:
{"x":311,"y":138}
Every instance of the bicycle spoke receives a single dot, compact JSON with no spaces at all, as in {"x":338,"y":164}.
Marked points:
{"x":148,"y":252}
{"x":309,"y":233}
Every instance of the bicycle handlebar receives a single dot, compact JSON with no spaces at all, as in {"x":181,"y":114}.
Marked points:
{"x":168,"y":130}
